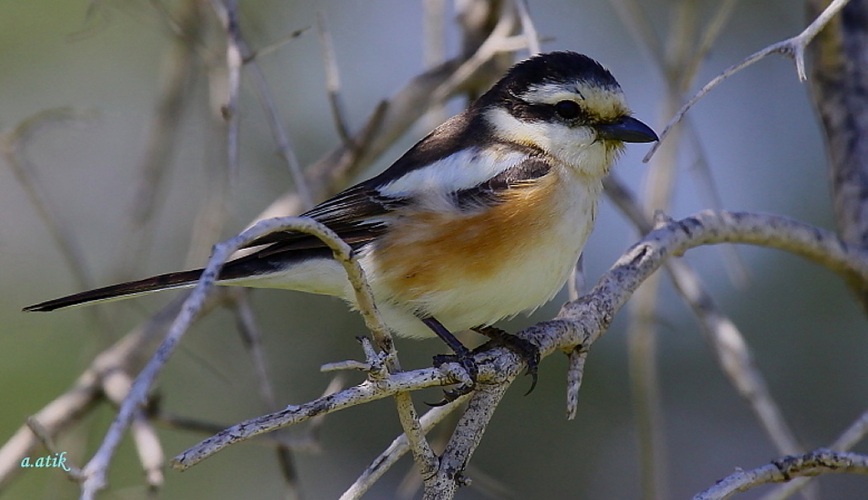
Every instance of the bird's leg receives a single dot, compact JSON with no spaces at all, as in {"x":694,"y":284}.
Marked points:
{"x":463,"y":356}
{"x":527,"y":350}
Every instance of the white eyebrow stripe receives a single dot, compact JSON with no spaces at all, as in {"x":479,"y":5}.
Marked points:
{"x":454,"y":173}
{"x":551,"y":93}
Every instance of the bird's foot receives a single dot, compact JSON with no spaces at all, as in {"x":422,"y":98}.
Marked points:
{"x":525,"y":349}
{"x":463,"y":358}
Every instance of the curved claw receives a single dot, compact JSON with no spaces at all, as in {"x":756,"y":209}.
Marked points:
{"x":450,"y":396}
{"x":525,"y":349}
{"x":465,"y":359}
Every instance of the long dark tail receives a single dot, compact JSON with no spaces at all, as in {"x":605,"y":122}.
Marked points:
{"x":248,"y":266}
{"x":121,"y":290}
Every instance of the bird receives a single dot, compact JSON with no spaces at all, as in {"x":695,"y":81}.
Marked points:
{"x":482,"y":219}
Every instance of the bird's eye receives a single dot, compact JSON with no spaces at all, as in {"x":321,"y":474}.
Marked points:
{"x":568,"y":110}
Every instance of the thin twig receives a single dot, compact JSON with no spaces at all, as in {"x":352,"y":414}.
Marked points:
{"x":638,"y":23}
{"x":709,"y":33}
{"x":239,"y":53}
{"x":643,"y":332}
{"x":252,"y":339}
{"x":399,"y":447}
{"x":465,"y":439}
{"x":333,"y":82}
{"x":149,"y":449}
{"x":294,"y":414}
{"x":425,"y":458}
{"x":735,"y":358}
{"x":434,"y":42}
{"x":274,"y":47}
{"x":855,"y":433}
{"x":125,"y":356}
{"x":527,"y":27}
{"x":393,"y":117}
{"x":227,"y":11}
{"x":793,"y":47}
{"x":785,"y":469}
{"x":44,"y":436}
{"x":95,"y":470}
{"x":177,"y":81}
{"x":499,"y":41}
{"x":251,"y":336}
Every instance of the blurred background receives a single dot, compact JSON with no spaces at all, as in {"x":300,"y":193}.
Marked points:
{"x":106,"y":62}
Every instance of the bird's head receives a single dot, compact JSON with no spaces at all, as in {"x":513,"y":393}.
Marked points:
{"x":567,"y":105}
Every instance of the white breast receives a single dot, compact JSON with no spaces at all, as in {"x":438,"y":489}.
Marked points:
{"x":532,"y":276}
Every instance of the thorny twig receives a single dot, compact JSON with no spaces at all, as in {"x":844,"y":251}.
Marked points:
{"x":793,"y":47}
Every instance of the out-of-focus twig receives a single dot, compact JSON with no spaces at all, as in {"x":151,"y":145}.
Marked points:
{"x":13,"y":145}
{"x":251,"y":336}
{"x":177,"y":81}
{"x":527,"y":27}
{"x":793,"y":47}
{"x":239,"y":53}
{"x":333,"y":82}
{"x":732,"y":351}
{"x":94,"y":472}
{"x":126,"y":356}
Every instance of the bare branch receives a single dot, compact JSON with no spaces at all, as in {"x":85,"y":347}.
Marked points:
{"x":393,"y":117}
{"x":398,"y":449}
{"x":466,"y":437}
{"x":44,"y":436}
{"x":294,"y":414}
{"x":95,"y":470}
{"x":639,"y":25}
{"x":434,"y":42}
{"x":423,"y":455}
{"x":273,"y":47}
{"x":149,"y":448}
{"x":579,"y":323}
{"x":642,"y":331}
{"x":735,"y":358}
{"x":848,"y":439}
{"x":785,"y":469}
{"x":853,"y":434}
{"x":710,"y":32}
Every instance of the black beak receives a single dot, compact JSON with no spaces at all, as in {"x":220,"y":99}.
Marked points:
{"x":626,"y":129}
